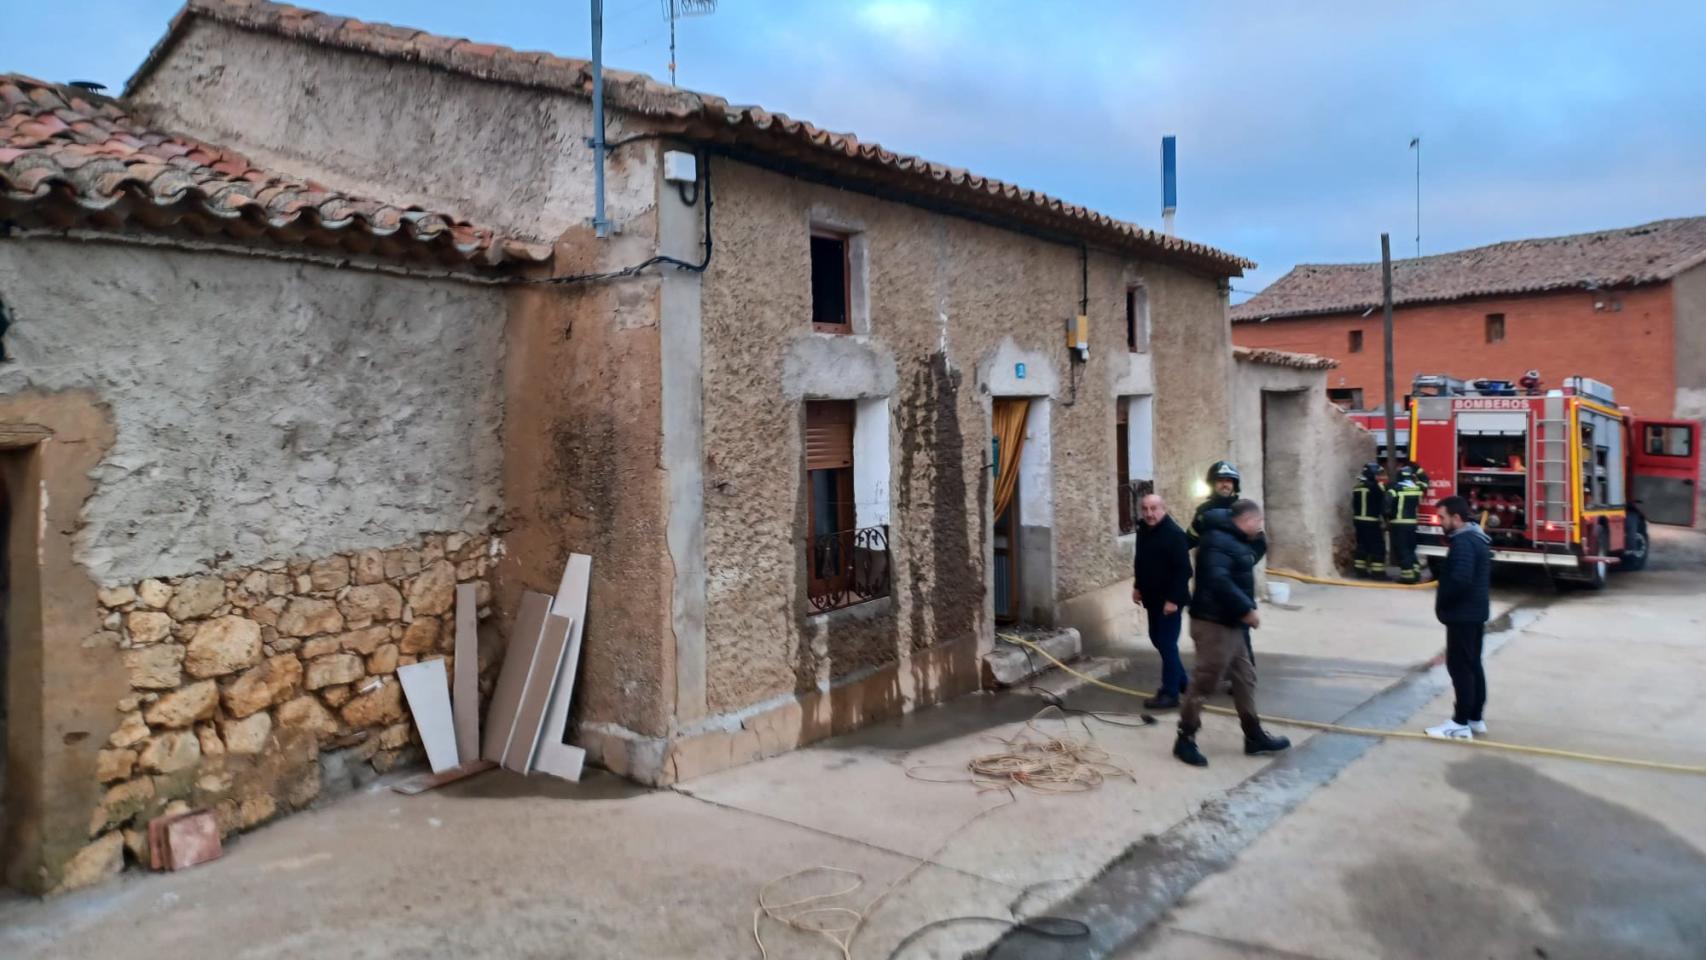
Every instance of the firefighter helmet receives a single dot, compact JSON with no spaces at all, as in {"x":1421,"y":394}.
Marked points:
{"x":1224,"y":470}
{"x":1371,"y":471}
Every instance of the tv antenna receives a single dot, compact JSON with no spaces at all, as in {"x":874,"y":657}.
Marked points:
{"x":674,"y":10}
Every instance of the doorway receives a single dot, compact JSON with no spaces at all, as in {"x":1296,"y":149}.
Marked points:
{"x":1022,"y":578}
{"x":1006,"y":446}
{"x":1285,"y":416}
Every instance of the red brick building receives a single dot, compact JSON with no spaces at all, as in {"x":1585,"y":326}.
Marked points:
{"x":1626,"y":306}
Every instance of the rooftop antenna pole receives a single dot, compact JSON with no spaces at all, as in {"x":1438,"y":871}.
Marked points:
{"x":674,"y":10}
{"x":1416,"y":145}
{"x":600,"y":225}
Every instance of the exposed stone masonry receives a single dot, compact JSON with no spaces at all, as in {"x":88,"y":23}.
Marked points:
{"x":240,"y":679}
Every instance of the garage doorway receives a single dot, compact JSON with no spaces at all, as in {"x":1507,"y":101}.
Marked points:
{"x":20,"y":613}
{"x":1284,"y":418}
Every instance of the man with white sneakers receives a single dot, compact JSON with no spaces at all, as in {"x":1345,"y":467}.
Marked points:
{"x":1462,"y":604}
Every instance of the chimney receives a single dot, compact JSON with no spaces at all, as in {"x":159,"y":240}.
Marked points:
{"x":1169,"y":182}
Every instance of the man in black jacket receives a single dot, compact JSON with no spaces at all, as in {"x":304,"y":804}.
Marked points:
{"x":1224,"y":483}
{"x":1461,"y":602}
{"x":1223,"y":608}
{"x":1161,"y":582}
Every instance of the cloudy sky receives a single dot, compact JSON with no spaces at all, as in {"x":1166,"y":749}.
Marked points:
{"x":1293,"y":118}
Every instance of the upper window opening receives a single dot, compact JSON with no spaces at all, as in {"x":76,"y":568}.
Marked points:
{"x":831,"y":300}
{"x":1356,"y":341}
{"x":1495,"y":327}
{"x":1137,"y":319}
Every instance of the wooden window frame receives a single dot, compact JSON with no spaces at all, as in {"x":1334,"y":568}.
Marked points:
{"x":1495,"y":320}
{"x":846,"y":518}
{"x":846,"y":241}
{"x":1354,"y":341}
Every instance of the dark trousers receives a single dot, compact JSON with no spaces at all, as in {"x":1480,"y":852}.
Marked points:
{"x":1221,"y":651}
{"x":1404,"y":552}
{"x":1164,"y":633}
{"x":1371,"y":548}
{"x":1463,"y":662}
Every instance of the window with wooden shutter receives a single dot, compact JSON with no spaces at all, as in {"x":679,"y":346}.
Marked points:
{"x":829,"y":434}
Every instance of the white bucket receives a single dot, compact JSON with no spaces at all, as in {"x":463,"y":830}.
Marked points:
{"x":1279,"y":592}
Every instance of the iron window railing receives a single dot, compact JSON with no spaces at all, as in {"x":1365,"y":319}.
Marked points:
{"x":847,"y":568}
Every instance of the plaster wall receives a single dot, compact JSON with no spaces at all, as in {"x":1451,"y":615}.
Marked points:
{"x":952,"y":305}
{"x":500,"y":155}
{"x":1304,"y":471}
{"x":262,"y":409}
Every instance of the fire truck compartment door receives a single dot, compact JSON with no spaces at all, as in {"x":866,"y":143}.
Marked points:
{"x":1487,"y":423}
{"x":1667,"y":470}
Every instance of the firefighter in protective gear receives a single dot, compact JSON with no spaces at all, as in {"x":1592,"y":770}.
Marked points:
{"x":1403,"y":507}
{"x":1368,"y":508}
{"x":1225,"y":483}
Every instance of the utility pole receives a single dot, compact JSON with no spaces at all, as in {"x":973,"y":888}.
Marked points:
{"x":1416,"y":145}
{"x":1386,"y":306}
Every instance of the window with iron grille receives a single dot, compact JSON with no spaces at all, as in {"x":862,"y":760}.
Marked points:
{"x":845,"y":563}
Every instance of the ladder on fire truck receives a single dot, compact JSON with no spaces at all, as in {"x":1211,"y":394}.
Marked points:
{"x":1552,"y":469}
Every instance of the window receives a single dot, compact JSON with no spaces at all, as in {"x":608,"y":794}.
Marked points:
{"x":1137,"y":319}
{"x":1672,"y":441}
{"x":1134,"y":456}
{"x":831,"y":292}
{"x":1495,"y":327}
{"x":1346,"y":398}
{"x":845,"y":563}
{"x":1356,"y":341}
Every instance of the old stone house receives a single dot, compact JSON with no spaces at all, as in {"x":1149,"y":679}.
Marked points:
{"x":810,"y":408}
{"x":249,"y":433}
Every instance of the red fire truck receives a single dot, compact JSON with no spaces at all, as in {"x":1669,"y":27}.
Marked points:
{"x":1562,"y":478}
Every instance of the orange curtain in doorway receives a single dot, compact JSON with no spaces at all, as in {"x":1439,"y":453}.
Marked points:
{"x":1009,"y":420}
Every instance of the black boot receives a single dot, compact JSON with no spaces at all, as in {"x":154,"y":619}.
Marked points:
{"x":1161,"y":701}
{"x":1262,"y":742}
{"x":1185,"y":748}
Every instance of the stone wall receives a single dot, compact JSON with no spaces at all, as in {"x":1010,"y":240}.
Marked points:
{"x":243,"y":680}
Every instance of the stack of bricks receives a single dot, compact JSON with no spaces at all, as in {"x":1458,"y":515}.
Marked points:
{"x":239,"y":679}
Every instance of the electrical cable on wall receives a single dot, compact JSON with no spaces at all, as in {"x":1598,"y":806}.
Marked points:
{"x":635,"y":269}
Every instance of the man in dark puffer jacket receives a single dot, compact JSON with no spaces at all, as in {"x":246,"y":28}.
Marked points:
{"x":1222,"y":610}
{"x":1463,"y":604}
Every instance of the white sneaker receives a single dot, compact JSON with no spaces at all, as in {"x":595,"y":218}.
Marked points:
{"x":1451,"y":730}
{"x":1478,"y":726}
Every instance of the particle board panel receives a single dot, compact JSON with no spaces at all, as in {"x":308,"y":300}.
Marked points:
{"x":512,"y":676}
{"x":554,"y":754}
{"x":465,"y":699}
{"x":536,"y":697}
{"x":428,"y":691}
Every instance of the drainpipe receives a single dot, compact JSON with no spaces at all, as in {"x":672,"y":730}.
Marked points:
{"x":600,"y":226}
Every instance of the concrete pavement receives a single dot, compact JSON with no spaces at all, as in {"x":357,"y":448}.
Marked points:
{"x":501,"y":866}
{"x":1426,"y":851}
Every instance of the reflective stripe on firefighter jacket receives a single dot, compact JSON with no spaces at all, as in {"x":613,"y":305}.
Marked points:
{"x":1368,"y":502}
{"x":1406,"y":502}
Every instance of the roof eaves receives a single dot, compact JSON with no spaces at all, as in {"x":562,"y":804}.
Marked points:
{"x":683,"y":112}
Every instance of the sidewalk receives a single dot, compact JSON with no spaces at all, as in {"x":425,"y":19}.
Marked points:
{"x":504,"y":866}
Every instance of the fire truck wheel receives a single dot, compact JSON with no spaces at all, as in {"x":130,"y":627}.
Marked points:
{"x":1636,"y":544}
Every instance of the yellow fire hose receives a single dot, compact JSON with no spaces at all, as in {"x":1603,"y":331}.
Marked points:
{"x":1370,"y":732}
{"x":1333,"y":582}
